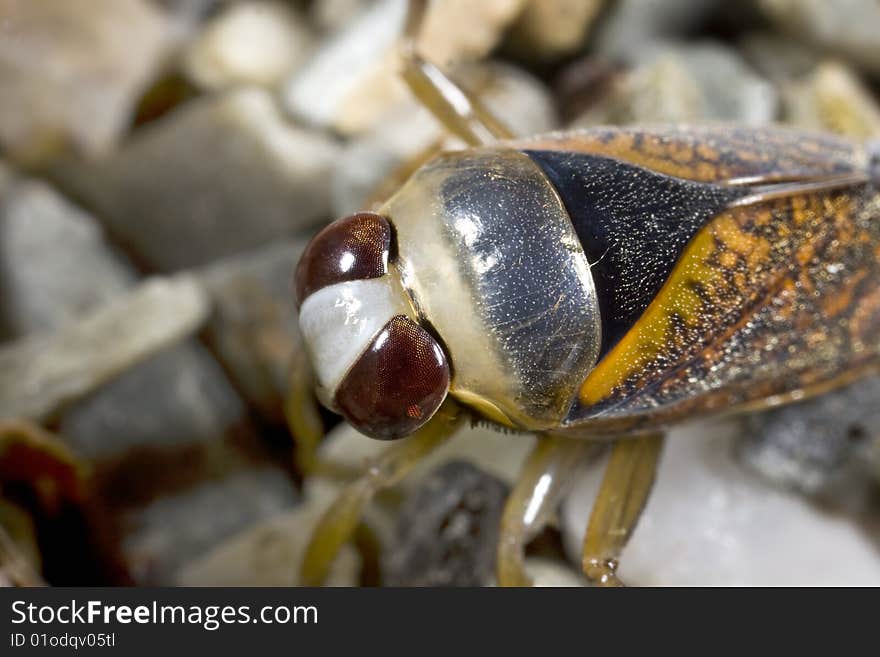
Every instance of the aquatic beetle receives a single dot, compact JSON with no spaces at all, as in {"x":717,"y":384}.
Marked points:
{"x":587,"y":286}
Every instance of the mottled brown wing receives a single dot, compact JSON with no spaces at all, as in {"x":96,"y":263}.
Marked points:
{"x":711,"y":153}
{"x":767,"y":301}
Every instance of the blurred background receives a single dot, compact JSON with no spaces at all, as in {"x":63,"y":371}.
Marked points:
{"x":163,"y":162}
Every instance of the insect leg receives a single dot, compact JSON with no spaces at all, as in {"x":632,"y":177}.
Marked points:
{"x":625,"y":487}
{"x":341,"y":519}
{"x":542,"y":482}
{"x":459,"y":112}
{"x":301,"y":413}
{"x":44,"y":462}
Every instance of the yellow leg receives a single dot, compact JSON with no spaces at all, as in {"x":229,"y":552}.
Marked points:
{"x":459,"y":112}
{"x":628,"y":479}
{"x":15,"y":565}
{"x":50,"y":456}
{"x":302,"y":415}
{"x":56,"y":475}
{"x":543,"y":481}
{"x":339,"y":521}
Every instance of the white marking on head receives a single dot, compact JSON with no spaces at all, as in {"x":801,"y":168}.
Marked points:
{"x":339,"y":321}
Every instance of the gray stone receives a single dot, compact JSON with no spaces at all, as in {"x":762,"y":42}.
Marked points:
{"x":195,"y":8}
{"x":41,"y":373}
{"x":176,"y":458}
{"x":696,"y":82}
{"x":270,"y":552}
{"x":731,"y":89}
{"x":633,"y":25}
{"x":711,"y":522}
{"x":56,"y":267}
{"x":54,"y":262}
{"x":71,"y":72}
{"x":168,"y":436}
{"x":319,"y":92}
{"x":177,"y":398}
{"x":551,"y":573}
{"x":832,"y":99}
{"x":818,"y":445}
{"x":661,"y":91}
{"x":447,"y":530}
{"x":248,"y":43}
{"x":847,"y":28}
{"x":352,"y":80}
{"x":550,"y":29}
{"x":776,"y":57}
{"x":219,"y":176}
{"x":254,"y":329}
{"x":331,"y":15}
{"x":182,"y":527}
{"x":7,"y":176}
{"x":187,"y":16}
{"x":456,"y":31}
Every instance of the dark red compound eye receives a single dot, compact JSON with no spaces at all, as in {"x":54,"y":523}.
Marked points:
{"x":353,"y":248}
{"x":397,"y":384}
